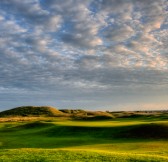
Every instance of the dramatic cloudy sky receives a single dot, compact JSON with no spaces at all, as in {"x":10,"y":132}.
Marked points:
{"x":90,"y":54}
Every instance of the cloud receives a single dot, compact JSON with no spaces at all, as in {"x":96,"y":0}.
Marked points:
{"x":118,"y":33}
{"x":97,"y":46}
{"x":153,"y":14}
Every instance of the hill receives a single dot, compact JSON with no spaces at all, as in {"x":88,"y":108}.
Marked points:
{"x":79,"y":114}
{"x":32,"y":111}
{"x":47,"y":111}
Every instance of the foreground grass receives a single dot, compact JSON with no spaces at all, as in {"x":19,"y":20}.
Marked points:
{"x":39,"y":155}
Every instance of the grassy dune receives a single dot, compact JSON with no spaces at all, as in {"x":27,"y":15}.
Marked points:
{"x":62,"y":139}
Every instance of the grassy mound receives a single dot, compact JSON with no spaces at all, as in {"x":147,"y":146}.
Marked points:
{"x":32,"y":111}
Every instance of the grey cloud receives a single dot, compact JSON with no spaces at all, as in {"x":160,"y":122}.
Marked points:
{"x":116,"y":6}
{"x":30,"y":13}
{"x":83,"y":28}
{"x":118,"y":33}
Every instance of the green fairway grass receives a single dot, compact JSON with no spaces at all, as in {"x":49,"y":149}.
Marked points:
{"x":54,"y":139}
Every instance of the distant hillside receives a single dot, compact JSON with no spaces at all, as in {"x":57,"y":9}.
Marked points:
{"x":138,"y":114}
{"x":88,"y":115}
{"x":32,"y":111}
{"x":78,"y":114}
{"x":46,"y":111}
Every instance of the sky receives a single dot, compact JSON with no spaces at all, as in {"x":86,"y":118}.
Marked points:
{"x":84,"y":54}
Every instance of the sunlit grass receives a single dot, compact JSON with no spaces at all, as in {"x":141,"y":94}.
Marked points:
{"x":99,"y":123}
{"x":74,"y":156}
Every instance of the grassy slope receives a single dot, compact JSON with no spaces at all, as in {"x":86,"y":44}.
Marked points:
{"x":112,"y":140}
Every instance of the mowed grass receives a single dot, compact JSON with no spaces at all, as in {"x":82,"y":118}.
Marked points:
{"x":66,"y":140}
